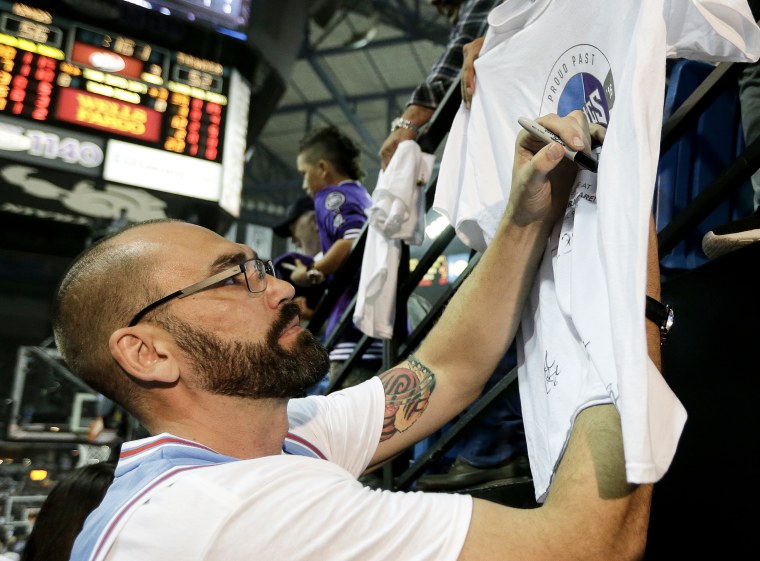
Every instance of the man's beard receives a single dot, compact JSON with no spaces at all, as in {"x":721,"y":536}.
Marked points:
{"x":256,"y":370}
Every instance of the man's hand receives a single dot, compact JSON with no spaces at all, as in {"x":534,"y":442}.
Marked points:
{"x":417,"y":114}
{"x":541,"y":176}
{"x":299,"y":276}
{"x":467,"y":82}
{"x":391,"y":143}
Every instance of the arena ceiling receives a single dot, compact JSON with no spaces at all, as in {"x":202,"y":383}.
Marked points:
{"x":358,"y":62}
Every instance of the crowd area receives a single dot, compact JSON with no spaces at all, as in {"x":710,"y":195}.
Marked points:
{"x":242,"y":452}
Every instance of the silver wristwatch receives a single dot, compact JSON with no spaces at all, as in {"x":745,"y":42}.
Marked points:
{"x":401,"y":123}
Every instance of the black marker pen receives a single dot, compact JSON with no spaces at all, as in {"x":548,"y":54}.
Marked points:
{"x":580,"y":158}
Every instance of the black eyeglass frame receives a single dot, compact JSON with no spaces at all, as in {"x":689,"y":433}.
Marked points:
{"x":265,"y":267}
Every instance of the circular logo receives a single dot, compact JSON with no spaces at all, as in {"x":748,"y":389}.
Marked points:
{"x":580,"y":79}
{"x":334,"y":200}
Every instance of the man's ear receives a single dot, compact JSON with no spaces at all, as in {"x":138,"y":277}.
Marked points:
{"x":145,"y":352}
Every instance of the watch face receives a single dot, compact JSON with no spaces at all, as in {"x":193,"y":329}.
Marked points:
{"x":670,"y":319}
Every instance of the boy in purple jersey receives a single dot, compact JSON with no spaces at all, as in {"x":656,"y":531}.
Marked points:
{"x":329,"y":162}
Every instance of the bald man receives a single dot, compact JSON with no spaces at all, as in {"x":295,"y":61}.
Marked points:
{"x":191,"y":334}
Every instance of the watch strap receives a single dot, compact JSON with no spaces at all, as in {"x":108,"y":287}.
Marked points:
{"x":662,"y":315}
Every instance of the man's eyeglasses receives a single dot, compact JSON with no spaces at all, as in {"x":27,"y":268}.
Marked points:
{"x":255,"y":273}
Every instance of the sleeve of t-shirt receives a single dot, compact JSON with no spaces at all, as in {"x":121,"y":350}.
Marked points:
{"x":343,"y":427}
{"x":711,"y":31}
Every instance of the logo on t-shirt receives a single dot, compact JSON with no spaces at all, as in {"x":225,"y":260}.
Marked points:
{"x":581,"y":78}
{"x":334,"y":200}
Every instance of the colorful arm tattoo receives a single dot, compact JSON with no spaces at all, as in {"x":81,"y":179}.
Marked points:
{"x":407,"y":393}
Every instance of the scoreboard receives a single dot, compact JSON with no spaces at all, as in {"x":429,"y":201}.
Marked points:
{"x":128,"y":111}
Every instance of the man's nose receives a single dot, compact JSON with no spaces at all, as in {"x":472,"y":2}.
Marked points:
{"x":279,"y":290}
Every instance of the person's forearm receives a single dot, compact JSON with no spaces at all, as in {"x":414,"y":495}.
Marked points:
{"x":419,"y":115}
{"x":334,"y":257}
{"x":416,"y":116}
{"x":452,"y":365}
{"x":481,"y":320}
{"x":329,"y":264}
{"x":589,"y":497}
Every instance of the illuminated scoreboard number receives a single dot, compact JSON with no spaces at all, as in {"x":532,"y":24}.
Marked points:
{"x":31,"y":30}
{"x":26,"y":81}
{"x":119,"y":55}
{"x":196,"y":107}
{"x":29,"y":55}
{"x":195,"y":126}
{"x":207,"y":81}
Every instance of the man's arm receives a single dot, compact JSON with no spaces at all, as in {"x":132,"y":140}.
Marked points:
{"x":591,"y":512}
{"x":418,"y":116}
{"x":589,"y":494}
{"x":472,"y":21}
{"x":452,"y":365}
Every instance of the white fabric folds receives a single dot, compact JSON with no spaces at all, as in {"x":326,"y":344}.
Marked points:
{"x":397,"y":215}
{"x":582,"y":338}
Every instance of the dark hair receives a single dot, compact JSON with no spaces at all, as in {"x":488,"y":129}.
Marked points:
{"x":62,"y":515}
{"x":333,"y":145}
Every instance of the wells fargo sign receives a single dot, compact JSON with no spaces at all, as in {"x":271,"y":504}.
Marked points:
{"x":98,"y":112}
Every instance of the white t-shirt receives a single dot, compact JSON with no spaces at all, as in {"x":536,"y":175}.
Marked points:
{"x":582,"y":339}
{"x":397,"y":214}
{"x":295,"y":507}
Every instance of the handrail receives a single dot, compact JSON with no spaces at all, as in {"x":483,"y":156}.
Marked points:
{"x":709,"y":198}
{"x":686,"y":113}
{"x":402,"y":344}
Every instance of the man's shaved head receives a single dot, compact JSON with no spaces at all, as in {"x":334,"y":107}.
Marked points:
{"x":103,"y":288}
